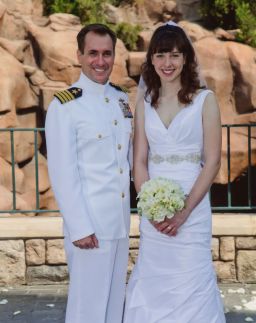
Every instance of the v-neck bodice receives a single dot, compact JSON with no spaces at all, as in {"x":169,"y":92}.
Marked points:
{"x":179,"y":147}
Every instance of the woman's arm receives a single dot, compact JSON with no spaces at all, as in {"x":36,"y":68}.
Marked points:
{"x":212,"y":156}
{"x":140,"y":153}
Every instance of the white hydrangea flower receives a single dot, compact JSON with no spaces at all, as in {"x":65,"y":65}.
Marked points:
{"x":159,"y":198}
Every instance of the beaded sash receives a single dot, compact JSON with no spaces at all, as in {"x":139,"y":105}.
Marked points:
{"x":175,"y":158}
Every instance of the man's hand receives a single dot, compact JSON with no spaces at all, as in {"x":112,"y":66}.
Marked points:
{"x":89,"y":242}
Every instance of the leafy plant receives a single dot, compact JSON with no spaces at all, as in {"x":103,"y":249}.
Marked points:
{"x":232,"y":14}
{"x":91,"y":11}
{"x":128,"y":33}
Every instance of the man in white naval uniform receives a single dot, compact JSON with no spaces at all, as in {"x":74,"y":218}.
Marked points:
{"x":88,"y":131}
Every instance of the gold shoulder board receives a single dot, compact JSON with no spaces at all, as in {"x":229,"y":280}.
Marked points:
{"x":118,"y":87}
{"x":69,"y":94}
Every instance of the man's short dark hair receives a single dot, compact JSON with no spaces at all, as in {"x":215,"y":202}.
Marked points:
{"x":99,"y":29}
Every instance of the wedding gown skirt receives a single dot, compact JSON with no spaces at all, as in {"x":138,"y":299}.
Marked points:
{"x":173,"y":280}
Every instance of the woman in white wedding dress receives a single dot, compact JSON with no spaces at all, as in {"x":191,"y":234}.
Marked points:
{"x":178,"y":136}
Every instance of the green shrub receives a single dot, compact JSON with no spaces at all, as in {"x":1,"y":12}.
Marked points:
{"x":54,"y":6}
{"x":91,"y":11}
{"x":128,"y":33}
{"x":232,"y":14}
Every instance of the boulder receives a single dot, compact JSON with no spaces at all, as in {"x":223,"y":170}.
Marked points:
{"x":48,"y":202}
{"x":189,"y":9}
{"x":30,"y":175}
{"x":120,"y":74}
{"x":35,"y":252}
{"x":226,"y":271}
{"x":144,"y":39}
{"x":227,"y":248}
{"x":11,"y":22}
{"x":55,"y":253}
{"x":12,"y":262}
{"x":6,"y":176}
{"x":224,"y":34}
{"x":135,"y":61}
{"x":24,"y":141}
{"x":239,"y":154}
{"x":246,"y":266}
{"x":246,"y":243}
{"x":16,"y":48}
{"x":64,"y":21}
{"x":216,"y":69}
{"x":6,"y":200}
{"x":47,"y":91}
{"x":195,"y":31}
{"x":2,"y":9}
{"x":154,"y":9}
{"x":38,"y":275}
{"x":56,"y":63}
{"x":243,"y":63}
{"x":215,"y":246}
{"x":14,"y":84}
{"x":38,"y":78}
{"x":30,"y":198}
{"x":133,"y":14}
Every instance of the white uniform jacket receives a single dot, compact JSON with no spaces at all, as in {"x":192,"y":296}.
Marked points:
{"x":88,"y":141}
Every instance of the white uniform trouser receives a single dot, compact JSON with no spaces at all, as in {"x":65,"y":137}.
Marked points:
{"x":97,"y":282}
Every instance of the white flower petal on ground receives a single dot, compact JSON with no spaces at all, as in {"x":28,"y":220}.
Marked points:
{"x":50,"y":305}
{"x":237,"y":307}
{"x":244,"y":301}
{"x":236,"y":291}
{"x":3,"y":302}
{"x":249,"y":319}
{"x":251,"y":305}
{"x":253,"y":292}
{"x":17,"y":312}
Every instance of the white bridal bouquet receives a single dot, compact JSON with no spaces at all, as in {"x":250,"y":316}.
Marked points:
{"x":159,"y":198}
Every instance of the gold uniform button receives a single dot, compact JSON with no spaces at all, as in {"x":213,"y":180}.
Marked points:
{"x":99,"y":136}
{"x":119,"y":147}
{"x":115,"y":122}
{"x":123,"y":195}
{"x":121,"y":171}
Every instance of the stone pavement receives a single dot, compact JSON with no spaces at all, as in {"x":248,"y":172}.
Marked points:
{"x":46,"y":304}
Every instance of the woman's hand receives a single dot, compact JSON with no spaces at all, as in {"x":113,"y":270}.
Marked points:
{"x":171,"y":226}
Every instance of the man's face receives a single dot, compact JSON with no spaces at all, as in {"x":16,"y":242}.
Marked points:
{"x":98,"y":58}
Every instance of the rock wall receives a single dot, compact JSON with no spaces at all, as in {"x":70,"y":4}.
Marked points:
{"x":38,"y":57}
{"x":42,"y":261}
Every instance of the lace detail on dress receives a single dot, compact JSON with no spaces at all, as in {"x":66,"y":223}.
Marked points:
{"x":175,"y":158}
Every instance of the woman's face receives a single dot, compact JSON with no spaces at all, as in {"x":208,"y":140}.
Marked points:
{"x":168,"y":65}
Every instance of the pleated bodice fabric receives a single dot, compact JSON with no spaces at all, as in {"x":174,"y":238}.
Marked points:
{"x":173,"y":280}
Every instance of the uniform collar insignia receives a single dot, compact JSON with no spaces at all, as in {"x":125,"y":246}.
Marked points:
{"x":125,"y":108}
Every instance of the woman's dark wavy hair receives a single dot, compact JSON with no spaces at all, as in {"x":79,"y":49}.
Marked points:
{"x":165,"y":39}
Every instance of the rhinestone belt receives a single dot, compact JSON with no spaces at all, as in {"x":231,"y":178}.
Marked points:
{"x":175,"y":159}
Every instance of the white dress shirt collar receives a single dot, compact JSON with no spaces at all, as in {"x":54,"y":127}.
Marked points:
{"x":91,"y":86}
